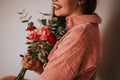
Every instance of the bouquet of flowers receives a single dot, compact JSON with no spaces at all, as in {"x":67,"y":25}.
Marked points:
{"x":41,"y":40}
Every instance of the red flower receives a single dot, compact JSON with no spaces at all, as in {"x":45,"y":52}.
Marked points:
{"x":44,"y":33}
{"x":31,"y":28}
{"x":51,"y":40}
{"x":34,"y":36}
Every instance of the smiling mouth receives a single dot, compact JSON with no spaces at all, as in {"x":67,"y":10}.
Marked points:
{"x":56,"y":7}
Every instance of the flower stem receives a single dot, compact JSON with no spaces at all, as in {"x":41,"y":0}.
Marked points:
{"x":21,"y":74}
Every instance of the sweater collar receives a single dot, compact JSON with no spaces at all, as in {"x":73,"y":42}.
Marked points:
{"x":72,"y":21}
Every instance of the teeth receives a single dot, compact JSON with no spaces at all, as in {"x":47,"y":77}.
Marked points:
{"x":57,"y":6}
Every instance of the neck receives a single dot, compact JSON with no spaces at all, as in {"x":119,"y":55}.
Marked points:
{"x":77,"y":12}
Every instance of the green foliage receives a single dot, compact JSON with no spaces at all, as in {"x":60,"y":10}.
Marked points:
{"x":30,"y":24}
{"x":43,"y":21}
{"x":57,"y":28}
{"x":24,"y":16}
{"x":48,"y":47}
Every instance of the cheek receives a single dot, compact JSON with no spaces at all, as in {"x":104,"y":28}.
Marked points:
{"x":68,"y":10}
{"x":70,"y":7}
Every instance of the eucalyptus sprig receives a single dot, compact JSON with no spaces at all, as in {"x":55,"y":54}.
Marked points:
{"x":24,"y":16}
{"x":43,"y":21}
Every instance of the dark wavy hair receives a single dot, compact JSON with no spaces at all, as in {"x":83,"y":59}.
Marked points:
{"x":89,"y":6}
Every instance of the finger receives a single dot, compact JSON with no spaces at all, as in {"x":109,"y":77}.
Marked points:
{"x":32,"y":62}
{"x":28,"y":61}
{"x":27,"y":54}
{"x":27,"y":58}
{"x":38,"y":63}
{"x":27,"y":66}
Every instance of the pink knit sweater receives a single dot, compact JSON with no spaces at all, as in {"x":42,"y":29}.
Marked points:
{"x":77,"y":55}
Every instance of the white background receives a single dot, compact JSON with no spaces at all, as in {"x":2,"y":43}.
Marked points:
{"x":12,"y":34}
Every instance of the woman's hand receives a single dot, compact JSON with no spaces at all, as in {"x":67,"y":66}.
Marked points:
{"x":32,"y":64}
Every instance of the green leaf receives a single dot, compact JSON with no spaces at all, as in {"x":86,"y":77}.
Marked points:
{"x":43,"y":21}
{"x":46,"y":14}
{"x":30,"y":24}
{"x":23,"y":11}
{"x":20,"y":13}
{"x":28,"y":43}
{"x":24,"y":21}
{"x":26,"y":14}
{"x":39,"y":21}
{"x":22,"y":17}
{"x":54,"y":25}
{"x":29,"y":17}
{"x":21,"y":55}
{"x":53,"y":28}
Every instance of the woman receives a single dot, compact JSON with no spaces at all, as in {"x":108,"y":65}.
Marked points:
{"x":77,"y":55}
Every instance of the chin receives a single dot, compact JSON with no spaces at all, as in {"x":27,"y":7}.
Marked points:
{"x":56,"y":14}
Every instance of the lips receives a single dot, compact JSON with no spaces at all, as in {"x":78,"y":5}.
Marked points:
{"x":57,"y":6}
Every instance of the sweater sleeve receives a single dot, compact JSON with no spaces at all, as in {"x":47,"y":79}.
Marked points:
{"x":66,"y":58}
